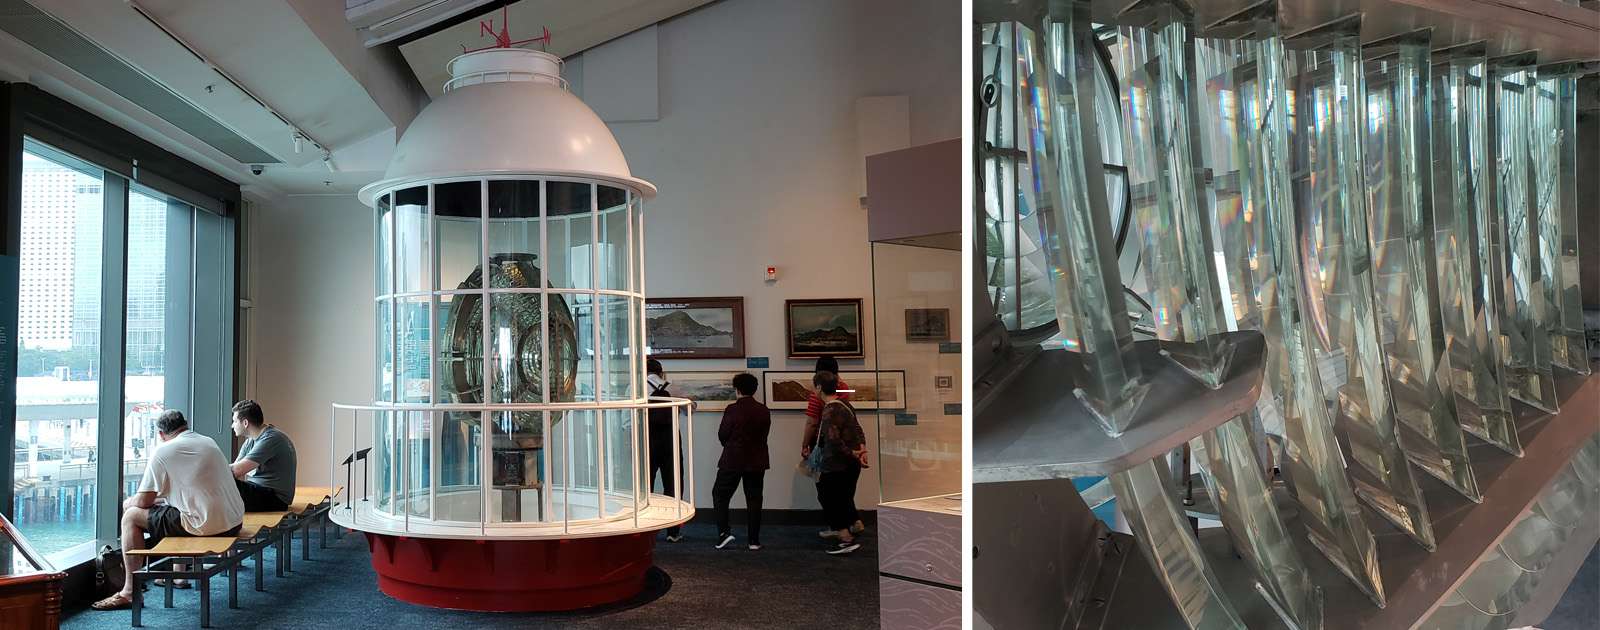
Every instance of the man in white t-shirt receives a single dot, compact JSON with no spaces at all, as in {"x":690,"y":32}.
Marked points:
{"x":190,"y":477}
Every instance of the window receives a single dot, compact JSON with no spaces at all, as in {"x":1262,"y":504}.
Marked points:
{"x":58,"y":358}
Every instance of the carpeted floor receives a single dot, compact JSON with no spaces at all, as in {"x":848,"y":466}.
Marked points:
{"x":789,"y":583}
{"x":1579,"y":608}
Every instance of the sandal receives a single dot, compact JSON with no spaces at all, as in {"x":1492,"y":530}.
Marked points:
{"x":177,"y":583}
{"x":114,"y":602}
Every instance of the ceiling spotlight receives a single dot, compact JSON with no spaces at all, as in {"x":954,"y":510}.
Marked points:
{"x":327,"y":160}
{"x":297,"y":140}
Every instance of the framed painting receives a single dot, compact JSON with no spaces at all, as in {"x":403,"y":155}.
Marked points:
{"x":824,"y":328}
{"x":710,"y":391}
{"x":927,"y":325}
{"x":885,"y":389}
{"x":694,"y":327}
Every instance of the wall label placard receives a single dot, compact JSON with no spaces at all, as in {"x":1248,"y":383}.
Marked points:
{"x":757,"y":363}
{"x":905,"y":419}
{"x":952,"y":409}
{"x":950,"y":347}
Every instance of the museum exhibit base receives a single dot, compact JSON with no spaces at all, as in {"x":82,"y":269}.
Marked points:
{"x":499,"y":575}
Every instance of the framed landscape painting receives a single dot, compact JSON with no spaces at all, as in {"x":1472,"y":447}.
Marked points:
{"x":788,"y":391}
{"x":695,"y":327}
{"x":824,"y":328}
{"x":927,"y":325}
{"x":710,"y":391}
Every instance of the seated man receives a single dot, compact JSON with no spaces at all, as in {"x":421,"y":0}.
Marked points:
{"x":190,"y":474}
{"x":266,"y":464}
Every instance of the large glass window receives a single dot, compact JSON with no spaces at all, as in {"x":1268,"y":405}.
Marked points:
{"x":58,"y":358}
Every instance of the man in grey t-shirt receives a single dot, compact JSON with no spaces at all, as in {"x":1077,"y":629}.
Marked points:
{"x":265,"y":468}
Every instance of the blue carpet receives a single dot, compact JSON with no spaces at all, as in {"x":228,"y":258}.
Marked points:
{"x":1579,"y":608}
{"x":789,"y":583}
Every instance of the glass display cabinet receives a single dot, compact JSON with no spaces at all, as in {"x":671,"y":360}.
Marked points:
{"x":510,"y":407}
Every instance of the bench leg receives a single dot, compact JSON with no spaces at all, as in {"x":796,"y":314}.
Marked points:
{"x":288,"y":552}
{"x":322,"y":530}
{"x":305,"y":542}
{"x":138,"y":600}
{"x":277,"y":546}
{"x":259,"y":569}
{"x":168,"y":603}
{"x":233,"y":580}
{"x":205,"y":601}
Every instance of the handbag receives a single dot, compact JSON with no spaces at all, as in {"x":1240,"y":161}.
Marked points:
{"x":812,"y":466}
{"x":109,"y":577}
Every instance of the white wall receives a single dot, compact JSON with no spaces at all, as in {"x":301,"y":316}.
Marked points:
{"x":755,"y":157}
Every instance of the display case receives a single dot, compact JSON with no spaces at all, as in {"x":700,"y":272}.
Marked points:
{"x":914,"y":225}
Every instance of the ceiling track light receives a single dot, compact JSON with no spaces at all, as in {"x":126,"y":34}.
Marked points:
{"x":296,"y":132}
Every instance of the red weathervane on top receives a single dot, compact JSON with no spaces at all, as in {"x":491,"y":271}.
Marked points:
{"x":502,"y":39}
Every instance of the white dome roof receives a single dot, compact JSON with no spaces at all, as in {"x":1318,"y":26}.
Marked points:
{"x":505,"y":112}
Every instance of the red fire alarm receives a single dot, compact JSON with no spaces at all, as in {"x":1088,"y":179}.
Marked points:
{"x":772,"y":273}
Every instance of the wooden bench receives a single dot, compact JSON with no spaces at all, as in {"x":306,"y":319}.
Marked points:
{"x":221,"y":553}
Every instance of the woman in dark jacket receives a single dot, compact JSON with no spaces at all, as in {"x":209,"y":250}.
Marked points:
{"x":844,"y":454}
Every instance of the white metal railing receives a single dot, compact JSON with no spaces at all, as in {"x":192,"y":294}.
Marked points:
{"x":354,"y":432}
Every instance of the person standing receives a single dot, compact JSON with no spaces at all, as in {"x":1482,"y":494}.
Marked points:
{"x":813,"y":417}
{"x":844,"y":454}
{"x":265,"y":469}
{"x":661,"y":443}
{"x":743,"y":434}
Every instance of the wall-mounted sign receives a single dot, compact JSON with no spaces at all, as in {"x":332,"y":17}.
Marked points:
{"x":757,"y":363}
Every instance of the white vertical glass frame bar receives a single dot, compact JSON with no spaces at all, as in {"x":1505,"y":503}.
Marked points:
{"x":677,"y":476}
{"x":435,"y":420}
{"x":595,"y":317}
{"x":488,"y":418}
{"x":545,"y":495}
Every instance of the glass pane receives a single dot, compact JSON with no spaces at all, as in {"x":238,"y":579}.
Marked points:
{"x":619,"y":461}
{"x":412,"y":370}
{"x":411,"y":239}
{"x":518,"y":446}
{"x":459,"y":370}
{"x":145,"y":350}
{"x":514,"y":220}
{"x":613,"y":259}
{"x":515,"y":352}
{"x":615,"y":365}
{"x":385,"y":249}
{"x":58,"y":359}
{"x":418,"y":442}
{"x":385,"y":384}
{"x":569,"y":234}
{"x":382,"y":460}
{"x":582,"y":342}
{"x":574,"y":495}
{"x":460,"y":445}
{"x":458,"y":232}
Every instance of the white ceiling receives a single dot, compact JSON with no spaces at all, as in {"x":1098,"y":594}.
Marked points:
{"x":304,"y":60}
{"x":574,"y":27}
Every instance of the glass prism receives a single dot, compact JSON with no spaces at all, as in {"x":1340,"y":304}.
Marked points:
{"x":1555,"y":169}
{"x":1469,"y":294}
{"x":1397,"y":147}
{"x":1337,"y":267}
{"x":1256,"y":222}
{"x":1526,"y":324}
{"x":1073,"y":219}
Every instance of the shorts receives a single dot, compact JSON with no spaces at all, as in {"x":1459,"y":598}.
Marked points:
{"x":166,"y":520}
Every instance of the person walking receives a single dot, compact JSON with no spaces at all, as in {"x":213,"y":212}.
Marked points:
{"x":743,"y":434}
{"x":813,"y":417}
{"x":843,"y":455}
